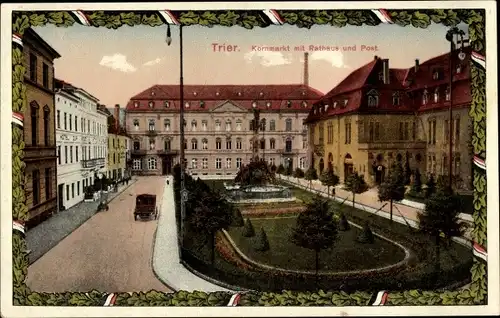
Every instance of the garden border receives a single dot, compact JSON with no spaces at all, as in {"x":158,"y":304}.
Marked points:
{"x":476,"y":294}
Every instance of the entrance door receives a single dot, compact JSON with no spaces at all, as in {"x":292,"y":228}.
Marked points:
{"x":348,"y":170}
{"x":166,"y":166}
{"x":379,"y":174}
{"x":60,"y":196}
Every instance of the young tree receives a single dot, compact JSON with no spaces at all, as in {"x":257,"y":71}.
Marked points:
{"x":329,"y":179}
{"x":355,"y":184}
{"x":343,"y":224}
{"x":261,"y":243}
{"x":440,"y":219}
{"x":393,"y":189}
{"x":407,"y":172}
{"x":237,"y":218}
{"x":366,"y":235}
{"x":289,"y":170}
{"x":298,"y":173}
{"x":431,"y":186}
{"x":416,"y":187}
{"x":273,"y":168}
{"x":315,"y":229}
{"x":311,"y":175}
{"x":281,"y":169}
{"x":248,"y":230}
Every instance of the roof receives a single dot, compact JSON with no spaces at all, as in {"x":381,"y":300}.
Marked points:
{"x":267,"y":97}
{"x":61,"y":84}
{"x":353,"y":81}
{"x":31,"y":33}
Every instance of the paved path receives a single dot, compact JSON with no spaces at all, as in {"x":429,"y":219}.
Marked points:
{"x":48,"y":234}
{"x":110,"y":252}
{"x":166,"y":262}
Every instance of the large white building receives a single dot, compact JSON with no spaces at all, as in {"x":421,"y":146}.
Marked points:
{"x":81,"y":139}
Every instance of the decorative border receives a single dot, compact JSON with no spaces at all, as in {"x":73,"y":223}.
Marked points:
{"x":475,"y":294}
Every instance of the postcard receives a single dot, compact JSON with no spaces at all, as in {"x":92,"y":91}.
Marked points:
{"x":249,"y":159}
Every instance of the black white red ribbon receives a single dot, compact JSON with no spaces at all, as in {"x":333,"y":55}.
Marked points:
{"x":479,"y":59}
{"x":110,"y":300}
{"x":169,"y":18}
{"x":17,"y":119}
{"x":383,"y":16}
{"x":479,"y":162}
{"x":233,"y":302}
{"x":81,"y":17}
{"x":18,"y":226}
{"x":274,"y":16}
{"x":16,"y":38}
{"x":379,"y":299}
{"x":480,"y":252}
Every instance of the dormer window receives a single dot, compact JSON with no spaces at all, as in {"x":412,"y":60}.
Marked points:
{"x":304,"y":104}
{"x":202,"y":104}
{"x":153,"y":93}
{"x":217,"y":93}
{"x":447,"y":93}
{"x":380,"y":76}
{"x":254,"y":104}
{"x":326,"y":107}
{"x":459,"y":69}
{"x":436,"y":74}
{"x":345,"y":102}
{"x":187,"y":104}
{"x":151,"y":104}
{"x":303,"y":93}
{"x":268,"y":104}
{"x":194,"y":93}
{"x":239,"y":93}
{"x":261,"y":94}
{"x":136,"y":104}
{"x":288,"y":104}
{"x":315,"y":110}
{"x":436,"y":95}
{"x":335,"y":104}
{"x":425,"y":97}
{"x":372,"y":98}
{"x":396,"y":100}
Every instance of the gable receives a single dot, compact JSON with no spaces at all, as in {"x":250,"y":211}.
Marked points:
{"x":228,"y":106}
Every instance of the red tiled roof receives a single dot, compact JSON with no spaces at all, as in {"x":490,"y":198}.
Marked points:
{"x":353,"y":81}
{"x":214,"y":95}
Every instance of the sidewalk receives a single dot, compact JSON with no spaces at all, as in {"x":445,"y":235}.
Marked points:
{"x":367,"y":201}
{"x":166,"y":262}
{"x":43,"y":237}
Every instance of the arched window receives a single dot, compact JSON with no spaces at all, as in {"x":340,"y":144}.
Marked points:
{"x":193,"y":125}
{"x":272,"y":125}
{"x":167,"y":144}
{"x":262,"y":143}
{"x":238,"y":143}
{"x":228,"y":125}
{"x":151,"y":125}
{"x":136,"y":124}
{"x":218,"y":143}
{"x":272,"y":143}
{"x":447,"y":93}
{"x":185,"y":145}
{"x":396,"y":101}
{"x":46,"y":125}
{"x":152,"y":164}
{"x":204,"y":143}
{"x":238,"y":124}
{"x":34,"y":122}
{"x":302,"y":163}
{"x":194,"y":144}
{"x":166,"y":124}
{"x":436,"y":95}
{"x":372,"y":101}
{"x":425,"y":97}
{"x":288,"y":145}
{"x":217,"y":125}
{"x":137,"y":145}
{"x":288,"y":124}
{"x":263,"y":124}
{"x":228,"y":143}
{"x":152,"y":143}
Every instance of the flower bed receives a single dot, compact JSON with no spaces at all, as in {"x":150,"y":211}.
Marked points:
{"x":272,"y":212}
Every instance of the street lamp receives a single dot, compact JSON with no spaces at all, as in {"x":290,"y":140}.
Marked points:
{"x":461,"y":55}
{"x":101,"y":177}
{"x":182,"y":122}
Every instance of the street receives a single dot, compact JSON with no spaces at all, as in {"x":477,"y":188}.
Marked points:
{"x":110,"y":252}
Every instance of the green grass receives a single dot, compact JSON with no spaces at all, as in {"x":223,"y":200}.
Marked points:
{"x":467,"y":200}
{"x":345,"y":255}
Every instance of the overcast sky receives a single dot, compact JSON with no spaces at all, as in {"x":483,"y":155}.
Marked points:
{"x":114,"y":65}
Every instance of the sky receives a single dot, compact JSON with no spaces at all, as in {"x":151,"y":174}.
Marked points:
{"x":115,"y":65}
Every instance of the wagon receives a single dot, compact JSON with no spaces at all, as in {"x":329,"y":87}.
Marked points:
{"x":145,"y":207}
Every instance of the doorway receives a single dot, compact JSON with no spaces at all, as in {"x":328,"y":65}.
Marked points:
{"x":379,"y":174}
{"x":60,"y":196}
{"x":348,"y":166}
{"x":166,"y":166}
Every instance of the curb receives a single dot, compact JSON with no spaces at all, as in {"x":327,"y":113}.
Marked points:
{"x":76,"y":228}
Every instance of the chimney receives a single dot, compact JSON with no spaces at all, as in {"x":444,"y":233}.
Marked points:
{"x":117,"y":118}
{"x":385,"y":71}
{"x":306,"y":68}
{"x":375,"y":57}
{"x":417,"y":64}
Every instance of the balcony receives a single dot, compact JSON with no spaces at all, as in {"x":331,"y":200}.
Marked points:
{"x":151,"y":133}
{"x":392,"y":144}
{"x":92,"y":163}
{"x":287,"y":151}
{"x":139,"y":152}
{"x":169,"y":152}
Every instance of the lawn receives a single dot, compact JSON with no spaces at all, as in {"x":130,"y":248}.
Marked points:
{"x":345,"y":255}
{"x":467,"y":202}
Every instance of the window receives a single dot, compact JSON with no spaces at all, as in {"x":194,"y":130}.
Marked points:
{"x":435,"y":75}
{"x":218,"y":144}
{"x":347,"y":133}
{"x":71,"y":154}
{"x":70,"y":122}
{"x":194,"y":144}
{"x":136,"y":124}
{"x":238,"y":143}
{"x":76,"y":153}
{"x":271,"y":161}
{"x":446,"y":131}
{"x":302,"y":163}
{"x":167,"y":104}
{"x":228,"y":144}
{"x":407,"y":131}
{"x":88,"y":125}
{"x":45,"y":75}
{"x":204,"y":163}
{"x":58,"y":119}
{"x":34,"y":123}
{"x":238,"y":163}
{"x":137,"y":145}
{"x":401,"y":131}
{"x":73,"y":190}
{"x":59,"y":154}
{"x":185,"y":144}
{"x":288,"y":124}
{"x":272,"y":143}
{"x":166,"y":124}
{"x":78,"y":188}
{"x":228,"y":125}
{"x":67,"y":192}
{"x":434,"y":132}
{"x":414,"y":130}
{"x":204,"y":143}
{"x":329,"y":129}
{"x":272,"y":125}
{"x":377,"y":131}
{"x":447,"y":94}
{"x":457,"y":163}
{"x":204,"y":125}
{"x":263,"y":124}
{"x":46,"y":126}
{"x":33,"y":67}
{"x":372,"y":101}
{"x":218,"y":163}
{"x":371,"y":132}
{"x":425,"y":97}
{"x":152,"y":143}
{"x":228,"y":163}
{"x":288,"y":145}
{"x":238,"y":125}
{"x":321,"y":133}
{"x":193,"y":125}
{"x":82,"y":124}
{"x":194,"y":163}
{"x":114,"y":158}
{"x":151,"y":104}
{"x":396,"y":101}
{"x":48,"y":194}
{"x":36,"y":186}
{"x":152,"y":164}
{"x":217,"y":125}
{"x":151,"y":125}
{"x":76,"y":124}
{"x":436,"y":95}
{"x":136,"y":164}
{"x":456,"y":137}
{"x":262,"y":143}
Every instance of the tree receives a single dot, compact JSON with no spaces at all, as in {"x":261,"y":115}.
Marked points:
{"x":237,"y":218}
{"x":355,"y":184}
{"x":255,"y":173}
{"x":310,"y":175}
{"x":315,"y":229}
{"x":416,"y":187}
{"x":281,"y":169}
{"x":261,"y":243}
{"x":440,"y":219}
{"x":298,"y":173}
{"x":393,"y":189}
{"x":329,"y":179}
{"x":366,"y":235}
{"x":248,"y":230}
{"x":273,"y":168}
{"x":289,"y":170}
{"x":407,"y":172}
{"x":343,"y":223}
{"x":431,"y":186}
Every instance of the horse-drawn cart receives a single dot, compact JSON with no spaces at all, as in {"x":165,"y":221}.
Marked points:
{"x":145,"y":207}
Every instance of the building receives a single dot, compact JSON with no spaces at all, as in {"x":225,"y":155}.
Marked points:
{"x":39,"y":128}
{"x":118,"y":143}
{"x":378,"y":115}
{"x":81,"y":134}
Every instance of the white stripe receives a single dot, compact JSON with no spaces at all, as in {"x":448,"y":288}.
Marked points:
{"x":378,"y":299}
{"x":108,"y":300}
{"x":479,"y":61}
{"x":17,"y":40}
{"x":18,"y":227}
{"x":232,"y":300}
{"x":480,"y":164}
{"x":381,"y":16}
{"x":480,"y":255}
{"x":271,"y":16}
{"x":80,"y":16}
{"x":17,"y":121}
{"x":167,"y":17}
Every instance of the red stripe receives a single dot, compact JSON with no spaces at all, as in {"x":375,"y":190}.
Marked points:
{"x":84,"y":16}
{"x":172,"y":17}
{"x":277,"y":16}
{"x":384,"y":298}
{"x":113,"y":300}
{"x":479,"y":56}
{"x":385,"y":14}
{"x":479,"y":248}
{"x":18,"y":116}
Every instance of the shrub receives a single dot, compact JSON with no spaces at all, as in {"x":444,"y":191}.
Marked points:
{"x":248,"y":230}
{"x":237,"y":218}
{"x":366,"y":235}
{"x":416,"y":187}
{"x":431,"y":186}
{"x":281,"y":169}
{"x":298,"y":173}
{"x":343,"y":224}
{"x":261,"y":242}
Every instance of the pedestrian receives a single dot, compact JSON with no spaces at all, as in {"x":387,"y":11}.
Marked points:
{"x":333,"y":191}
{"x":168,"y":181}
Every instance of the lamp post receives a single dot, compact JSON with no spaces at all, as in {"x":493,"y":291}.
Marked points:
{"x":100,"y":176}
{"x":181,"y":121}
{"x":450,"y":35}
